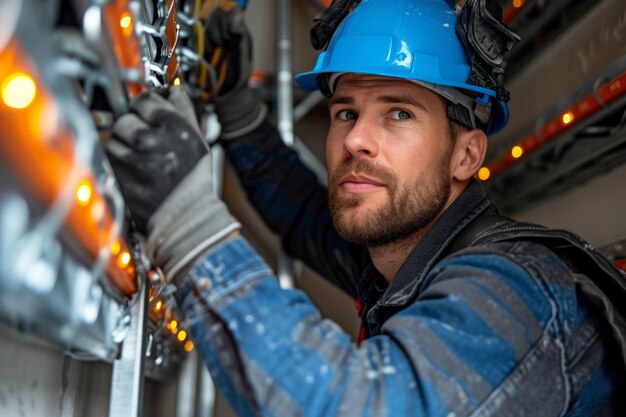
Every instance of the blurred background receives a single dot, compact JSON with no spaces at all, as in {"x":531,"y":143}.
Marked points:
{"x":87,"y":326}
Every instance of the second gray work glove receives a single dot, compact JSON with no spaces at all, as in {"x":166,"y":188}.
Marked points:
{"x":163,"y":166}
{"x":238,"y":107}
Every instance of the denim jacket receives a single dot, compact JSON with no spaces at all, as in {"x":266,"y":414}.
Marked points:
{"x":493,"y":330}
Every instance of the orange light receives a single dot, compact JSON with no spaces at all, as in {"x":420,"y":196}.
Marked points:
{"x":84,"y":192}
{"x":614,"y":86}
{"x":126,"y":20}
{"x":18,"y":90}
{"x":158,"y":305}
{"x":42,"y":153}
{"x":188,"y":345}
{"x":115,"y":248}
{"x":126,"y":23}
{"x":173,"y":324}
{"x":124,"y":259}
{"x":98,"y":211}
{"x":182,"y":335}
{"x":568,"y":118}
{"x":517,"y":151}
{"x":518,"y":3}
{"x":484,"y":174}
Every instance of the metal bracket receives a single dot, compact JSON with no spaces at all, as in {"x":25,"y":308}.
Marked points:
{"x":128,"y":369}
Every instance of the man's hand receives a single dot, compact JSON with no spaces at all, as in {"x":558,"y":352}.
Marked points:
{"x":153,"y":148}
{"x":163,"y":166}
{"x":229,"y":49}
{"x":228,"y":45}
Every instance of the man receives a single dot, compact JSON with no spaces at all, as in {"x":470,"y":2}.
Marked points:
{"x":497,"y":329}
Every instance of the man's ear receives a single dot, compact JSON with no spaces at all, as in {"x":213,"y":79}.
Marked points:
{"x":469,"y":154}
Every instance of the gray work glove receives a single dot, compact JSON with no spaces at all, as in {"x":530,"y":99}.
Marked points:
{"x":163,"y":166}
{"x":238,"y":107}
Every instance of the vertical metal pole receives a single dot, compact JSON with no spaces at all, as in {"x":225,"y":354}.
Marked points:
{"x":187,"y":387}
{"x":218,"y":161}
{"x":284,"y":91}
{"x":206,"y":400}
{"x":128,"y":370}
{"x":284,"y":110}
{"x":195,"y":396}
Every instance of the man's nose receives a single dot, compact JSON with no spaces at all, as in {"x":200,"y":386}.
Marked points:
{"x":361,"y":140}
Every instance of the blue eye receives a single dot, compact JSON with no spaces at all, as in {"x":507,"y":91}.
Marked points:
{"x":346,"y":115}
{"x":401,"y":115}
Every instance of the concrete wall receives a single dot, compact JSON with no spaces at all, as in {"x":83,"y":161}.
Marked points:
{"x":595,"y":210}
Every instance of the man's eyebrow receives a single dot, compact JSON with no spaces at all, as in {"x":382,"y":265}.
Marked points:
{"x":340,"y":100}
{"x":395,"y":99}
{"x":402,"y":99}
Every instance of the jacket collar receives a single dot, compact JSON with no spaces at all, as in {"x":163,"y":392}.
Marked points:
{"x":406,"y":283}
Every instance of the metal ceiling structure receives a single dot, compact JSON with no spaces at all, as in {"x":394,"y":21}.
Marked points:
{"x":570,"y":127}
{"x":589,"y":147}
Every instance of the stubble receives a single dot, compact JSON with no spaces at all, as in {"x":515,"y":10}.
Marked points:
{"x":406,"y":211}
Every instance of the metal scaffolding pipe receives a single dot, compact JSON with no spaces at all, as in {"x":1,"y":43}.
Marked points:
{"x":284,"y":109}
{"x":284,"y":92}
{"x":307,"y":104}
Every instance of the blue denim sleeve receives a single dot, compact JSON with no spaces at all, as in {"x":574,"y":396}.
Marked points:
{"x":480,"y":326}
{"x":288,"y":197}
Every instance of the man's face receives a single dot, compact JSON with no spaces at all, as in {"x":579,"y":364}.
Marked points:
{"x":388,"y":155}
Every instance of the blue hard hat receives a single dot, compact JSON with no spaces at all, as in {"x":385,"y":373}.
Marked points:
{"x":409,"y":39}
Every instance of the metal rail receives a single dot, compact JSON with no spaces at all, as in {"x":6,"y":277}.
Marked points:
{"x":284,"y":110}
{"x":128,"y":371}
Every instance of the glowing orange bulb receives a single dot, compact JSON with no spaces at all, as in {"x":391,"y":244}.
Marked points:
{"x":568,"y":118}
{"x":98,"y":211}
{"x":126,"y":20}
{"x":517,"y":151}
{"x":173,"y":324}
{"x":188,"y":346}
{"x":158,"y":305}
{"x":115,"y":248}
{"x":126,"y":23}
{"x":484,"y":174}
{"x":18,"y":90}
{"x":518,"y":3}
{"x":84,"y":193}
{"x":124,"y":259}
{"x":182,"y":335}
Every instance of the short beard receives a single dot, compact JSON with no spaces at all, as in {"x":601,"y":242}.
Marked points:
{"x":406,"y":214}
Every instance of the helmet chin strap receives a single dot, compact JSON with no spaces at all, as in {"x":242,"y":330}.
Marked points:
{"x":462,"y":108}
